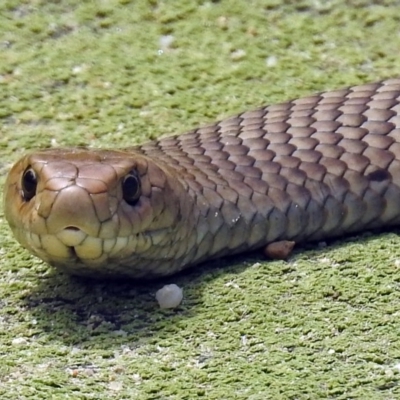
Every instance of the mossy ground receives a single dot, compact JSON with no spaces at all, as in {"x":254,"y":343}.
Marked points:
{"x":323,"y":325}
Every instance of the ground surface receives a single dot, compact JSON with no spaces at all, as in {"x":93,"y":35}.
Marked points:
{"x":112,"y":73}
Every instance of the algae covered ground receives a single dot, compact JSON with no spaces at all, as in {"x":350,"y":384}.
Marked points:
{"x":324,"y":325}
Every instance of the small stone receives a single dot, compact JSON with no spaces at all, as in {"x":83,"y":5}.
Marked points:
{"x":89,"y":371}
{"x":77,"y":69}
{"x":238,"y":54}
{"x":165,"y":42}
{"x":115,"y":386}
{"x":19,"y":341}
{"x":169,"y":296}
{"x":73,"y":372}
{"x":271,"y":61}
{"x":252,"y":31}
{"x":279,"y":250}
{"x":222,"y":22}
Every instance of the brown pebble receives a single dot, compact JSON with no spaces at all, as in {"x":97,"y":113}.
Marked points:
{"x":74,"y":372}
{"x":279,"y":250}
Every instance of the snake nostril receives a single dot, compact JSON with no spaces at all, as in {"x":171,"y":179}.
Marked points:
{"x":72,"y":228}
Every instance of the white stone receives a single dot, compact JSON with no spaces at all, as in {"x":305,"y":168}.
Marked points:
{"x":169,"y":296}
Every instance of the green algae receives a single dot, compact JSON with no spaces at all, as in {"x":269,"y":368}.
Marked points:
{"x":323,"y":325}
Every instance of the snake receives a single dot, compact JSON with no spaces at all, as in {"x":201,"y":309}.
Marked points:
{"x":309,"y":169}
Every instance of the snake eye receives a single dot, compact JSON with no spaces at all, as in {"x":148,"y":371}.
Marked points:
{"x":131,"y":188}
{"x":29,"y":184}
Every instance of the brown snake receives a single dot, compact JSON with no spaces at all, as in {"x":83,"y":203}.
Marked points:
{"x":308,"y":169}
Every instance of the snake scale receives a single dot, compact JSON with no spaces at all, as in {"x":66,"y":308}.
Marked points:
{"x":304,"y":170}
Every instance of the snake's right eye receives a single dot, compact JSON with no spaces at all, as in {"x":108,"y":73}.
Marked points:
{"x":131,"y":189}
{"x":29,"y":184}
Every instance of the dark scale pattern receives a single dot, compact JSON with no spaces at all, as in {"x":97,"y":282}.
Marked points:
{"x":306,"y":169}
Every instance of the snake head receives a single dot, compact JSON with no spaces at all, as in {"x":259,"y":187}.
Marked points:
{"x":98,"y":213}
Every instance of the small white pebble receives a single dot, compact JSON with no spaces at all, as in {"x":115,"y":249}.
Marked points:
{"x":165,"y":42}
{"x":271,"y":61}
{"x":115,"y":386}
{"x":325,"y":260}
{"x":169,"y":296}
{"x":75,"y":350}
{"x":77,"y":69}
{"x":222,"y":22}
{"x":233,"y":284}
{"x":19,"y":341}
{"x":396,"y":367}
{"x":238,"y":54}
{"x":89,"y":371}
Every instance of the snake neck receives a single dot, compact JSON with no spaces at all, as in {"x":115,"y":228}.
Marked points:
{"x":218,"y":220}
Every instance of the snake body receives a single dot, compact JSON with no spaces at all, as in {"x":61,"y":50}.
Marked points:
{"x":304,"y":170}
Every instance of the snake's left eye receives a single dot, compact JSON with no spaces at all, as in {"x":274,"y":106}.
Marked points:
{"x":29,"y":184}
{"x":131,"y":189}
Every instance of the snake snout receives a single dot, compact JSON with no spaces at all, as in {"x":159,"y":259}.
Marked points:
{"x":72,"y":236}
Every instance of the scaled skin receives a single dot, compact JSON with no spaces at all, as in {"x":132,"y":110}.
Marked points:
{"x":79,"y":222}
{"x":308,"y":169}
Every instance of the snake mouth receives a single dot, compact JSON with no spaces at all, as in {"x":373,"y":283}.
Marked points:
{"x":72,"y":244}
{"x":73,"y":253}
{"x":73,"y":230}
